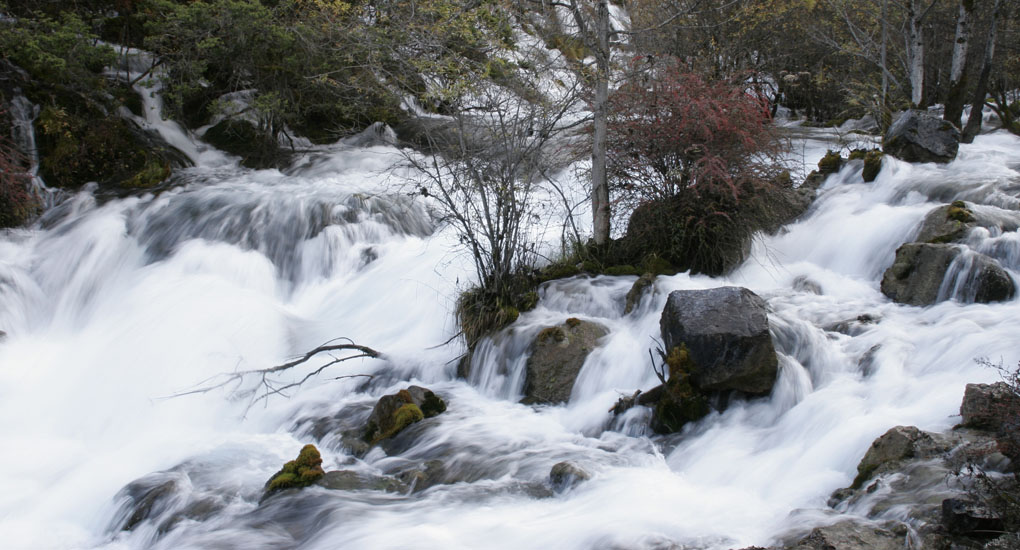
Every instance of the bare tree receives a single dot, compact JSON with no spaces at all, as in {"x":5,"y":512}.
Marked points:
{"x":981,"y":89}
{"x":958,"y":71}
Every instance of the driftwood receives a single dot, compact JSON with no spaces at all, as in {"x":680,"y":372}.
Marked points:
{"x":266,"y":385}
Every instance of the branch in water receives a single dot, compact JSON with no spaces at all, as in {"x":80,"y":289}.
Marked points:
{"x":270,"y":387}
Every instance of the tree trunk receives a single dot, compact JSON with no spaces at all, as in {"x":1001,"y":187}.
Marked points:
{"x":958,"y":72}
{"x":916,"y":53}
{"x":599,"y":183}
{"x":977,"y":105}
{"x":885,"y":118}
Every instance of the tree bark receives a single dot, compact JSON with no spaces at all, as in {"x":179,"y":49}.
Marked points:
{"x":916,"y":52}
{"x":958,"y":71}
{"x":977,"y":104}
{"x":885,"y":118}
{"x":599,"y":183}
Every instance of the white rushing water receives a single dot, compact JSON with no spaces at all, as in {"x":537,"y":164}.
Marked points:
{"x":110,"y":308}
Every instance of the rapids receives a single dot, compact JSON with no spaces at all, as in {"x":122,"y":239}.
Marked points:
{"x":111,"y":308}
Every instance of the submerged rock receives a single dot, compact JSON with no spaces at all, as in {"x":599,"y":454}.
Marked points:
{"x":565,"y":475}
{"x":393,"y":413}
{"x":348,"y":480}
{"x":557,"y":355}
{"x":638,"y":291}
{"x":677,"y":401}
{"x":916,"y":276}
{"x":726,"y":330}
{"x":919,"y":137}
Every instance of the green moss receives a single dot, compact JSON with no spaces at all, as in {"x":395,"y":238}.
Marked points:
{"x":619,"y":270}
{"x":857,"y":154}
{"x":298,"y":473}
{"x":558,"y":271}
{"x":830,"y":163}
{"x":432,"y":405}
{"x":872,"y":165}
{"x":554,"y":333}
{"x":681,"y":401}
{"x":657,"y":265}
{"x":573,"y":322}
{"x":402,"y":418}
{"x":959,"y":212}
{"x":528,"y":301}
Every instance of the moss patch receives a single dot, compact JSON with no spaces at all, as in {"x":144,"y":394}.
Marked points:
{"x":681,"y":402}
{"x":830,"y":163}
{"x":959,"y":212}
{"x":872,"y":165}
{"x":305,"y":470}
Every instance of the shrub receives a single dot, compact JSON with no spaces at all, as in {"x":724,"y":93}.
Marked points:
{"x":697,"y":163}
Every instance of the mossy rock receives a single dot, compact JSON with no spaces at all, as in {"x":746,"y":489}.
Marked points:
{"x":830,"y":163}
{"x":621,"y":270}
{"x":301,"y":472}
{"x":115,"y":153}
{"x":680,"y":401}
{"x":558,"y":271}
{"x":872,"y":165}
{"x":394,"y":413}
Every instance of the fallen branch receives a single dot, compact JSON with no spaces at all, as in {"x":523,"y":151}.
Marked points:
{"x":266,"y":386}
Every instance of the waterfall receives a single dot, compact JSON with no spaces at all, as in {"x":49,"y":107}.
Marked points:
{"x":112,"y":309}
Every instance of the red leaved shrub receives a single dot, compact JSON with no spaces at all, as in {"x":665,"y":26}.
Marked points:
{"x":697,"y":163}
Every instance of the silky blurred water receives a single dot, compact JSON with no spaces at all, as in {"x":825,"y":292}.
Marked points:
{"x":111,"y":307}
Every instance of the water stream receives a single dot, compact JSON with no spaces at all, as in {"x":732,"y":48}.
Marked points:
{"x":109,"y":308}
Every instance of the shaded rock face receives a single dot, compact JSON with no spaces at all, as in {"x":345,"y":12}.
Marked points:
{"x":970,"y":518}
{"x":988,"y":406}
{"x":919,"y":137}
{"x":565,"y":475}
{"x":557,"y":355}
{"x":726,"y":331}
{"x":347,"y":480}
{"x":917,"y":274}
{"x":393,"y":413}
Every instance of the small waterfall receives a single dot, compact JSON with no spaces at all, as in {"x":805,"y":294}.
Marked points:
{"x":23,"y":114}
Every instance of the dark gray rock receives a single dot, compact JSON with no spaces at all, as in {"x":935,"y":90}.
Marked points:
{"x":970,"y":518}
{"x":804,"y":284}
{"x":919,"y":137}
{"x":987,"y":406}
{"x":565,"y":475}
{"x":726,"y":331}
{"x":916,"y":275}
{"x":427,"y":475}
{"x":557,"y":355}
{"x":952,"y":222}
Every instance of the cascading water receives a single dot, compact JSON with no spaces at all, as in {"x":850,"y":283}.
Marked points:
{"x":111,"y":308}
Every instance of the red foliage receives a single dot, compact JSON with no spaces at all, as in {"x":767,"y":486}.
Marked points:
{"x":672,"y":131}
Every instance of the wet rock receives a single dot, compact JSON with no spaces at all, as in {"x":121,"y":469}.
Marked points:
{"x":970,"y":518}
{"x":565,"y":475}
{"x":855,"y":326}
{"x":301,"y":472}
{"x":867,"y":361}
{"x":894,"y":446}
{"x":916,"y":275}
{"x":348,"y":480}
{"x":148,"y":498}
{"x":919,"y":137}
{"x":727,"y":333}
{"x":987,"y":406}
{"x":850,"y":535}
{"x":677,"y":401}
{"x":638,"y":291}
{"x":872,"y":165}
{"x":952,"y":222}
{"x":3,"y":336}
{"x":393,"y":413}
{"x":803,"y":284}
{"x":557,"y":355}
{"x":430,"y":474}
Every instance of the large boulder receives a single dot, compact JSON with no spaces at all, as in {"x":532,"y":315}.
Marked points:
{"x":849,"y":535}
{"x":916,"y":275}
{"x":952,"y":222}
{"x":726,"y":331}
{"x":919,"y":137}
{"x":557,"y":355}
